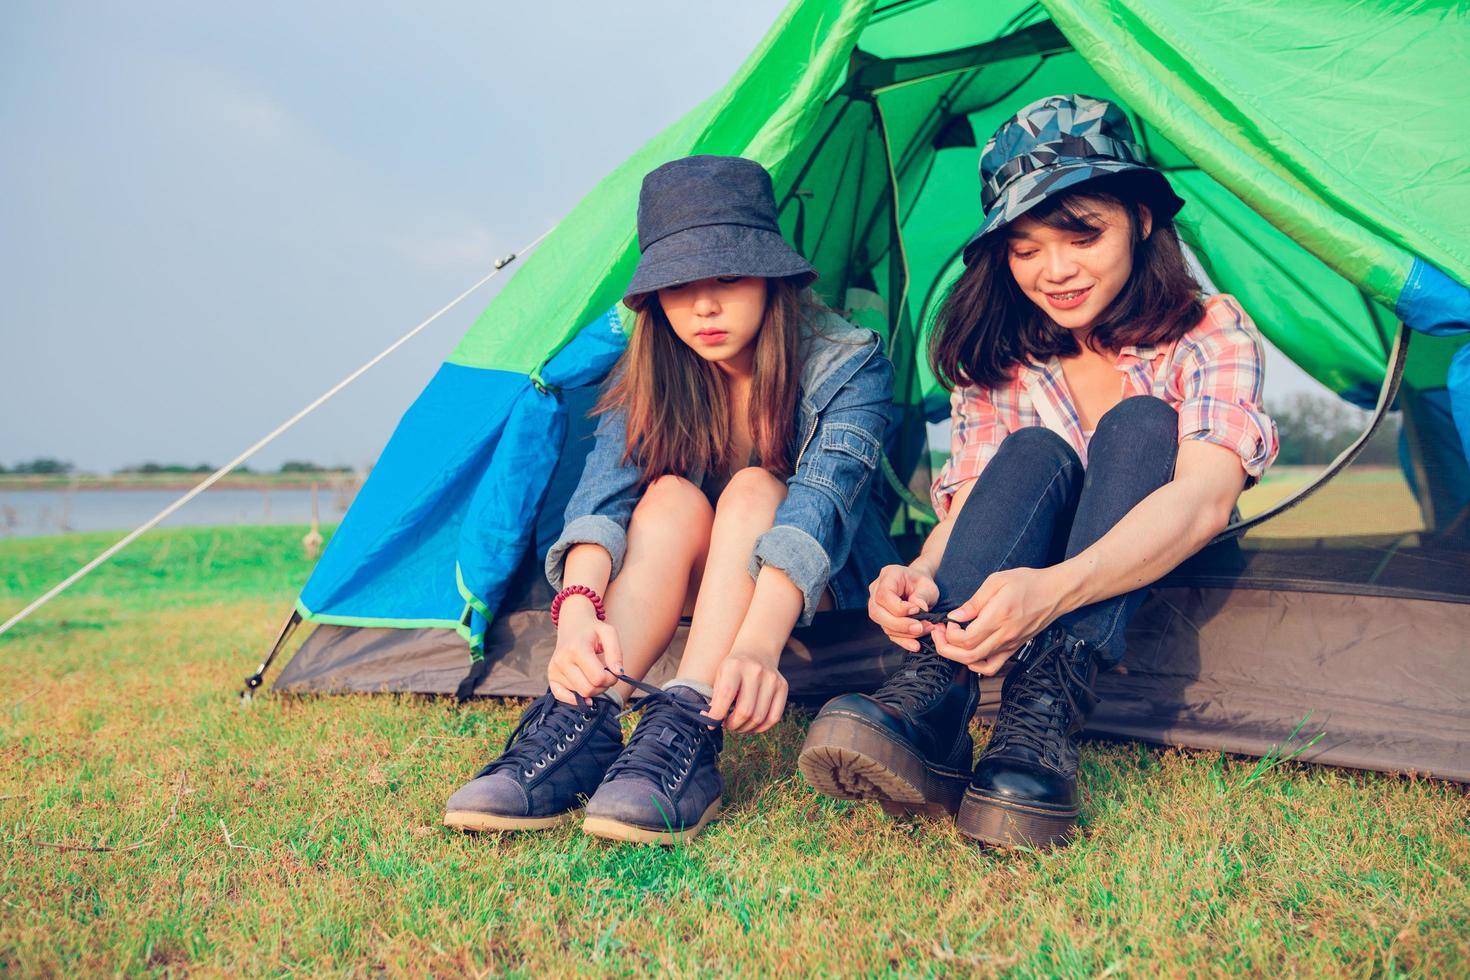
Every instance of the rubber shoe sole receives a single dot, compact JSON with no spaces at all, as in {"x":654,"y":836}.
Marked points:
{"x":475,"y":821}
{"x":1011,"y":823}
{"x":846,"y":757}
{"x":609,"y":829}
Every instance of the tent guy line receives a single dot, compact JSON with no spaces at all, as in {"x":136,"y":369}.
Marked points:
{"x":266,"y":440}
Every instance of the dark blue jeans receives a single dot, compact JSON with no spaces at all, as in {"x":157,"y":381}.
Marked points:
{"x":1034,"y":506}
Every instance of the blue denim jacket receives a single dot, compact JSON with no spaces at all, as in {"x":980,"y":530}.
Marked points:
{"x":828,"y":531}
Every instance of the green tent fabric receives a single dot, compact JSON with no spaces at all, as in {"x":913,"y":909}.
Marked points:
{"x":1324,"y":151}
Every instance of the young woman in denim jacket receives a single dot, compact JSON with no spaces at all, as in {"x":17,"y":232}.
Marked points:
{"x":730,"y":478}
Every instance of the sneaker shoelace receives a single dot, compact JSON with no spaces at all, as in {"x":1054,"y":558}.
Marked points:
{"x":1032,"y":716}
{"x":546,"y":730}
{"x":667,"y":740}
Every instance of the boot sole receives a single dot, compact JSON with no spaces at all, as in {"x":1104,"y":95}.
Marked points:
{"x":848,"y":758}
{"x":1007,"y":823}
{"x":631,"y":833}
{"x":476,"y":822}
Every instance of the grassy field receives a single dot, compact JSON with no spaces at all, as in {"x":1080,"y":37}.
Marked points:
{"x":151,"y":824}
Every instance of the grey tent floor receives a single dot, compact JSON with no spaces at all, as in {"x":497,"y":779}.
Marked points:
{"x":1384,"y":681}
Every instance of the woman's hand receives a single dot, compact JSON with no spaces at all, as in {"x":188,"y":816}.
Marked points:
{"x":897,"y":593}
{"x":750,"y":693}
{"x":586,"y":650}
{"x":1009,"y":608}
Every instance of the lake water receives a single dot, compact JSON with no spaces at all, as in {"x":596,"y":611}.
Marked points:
{"x":28,"y":513}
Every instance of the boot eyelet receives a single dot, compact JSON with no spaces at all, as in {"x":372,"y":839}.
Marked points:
{"x":528,"y":773}
{"x":579,"y":726}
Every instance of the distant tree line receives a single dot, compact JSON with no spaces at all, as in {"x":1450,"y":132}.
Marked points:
{"x":151,"y":468}
{"x":46,"y":466}
{"x":1315,"y":428}
{"x":40,"y":466}
{"x":290,"y":466}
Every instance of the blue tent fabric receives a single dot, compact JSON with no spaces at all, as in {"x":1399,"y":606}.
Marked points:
{"x":1433,"y":303}
{"x":1458,"y":384}
{"x":435,"y":534}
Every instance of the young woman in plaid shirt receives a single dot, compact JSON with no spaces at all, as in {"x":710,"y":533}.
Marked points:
{"x":1106,"y":418}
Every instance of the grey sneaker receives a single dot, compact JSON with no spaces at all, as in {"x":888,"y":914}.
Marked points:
{"x":666,"y":785}
{"x":554,"y":759}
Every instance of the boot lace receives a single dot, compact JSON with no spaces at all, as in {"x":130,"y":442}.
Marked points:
{"x":547,"y":729}
{"x":667,"y":741}
{"x":1045,"y":700}
{"x":923,"y":676}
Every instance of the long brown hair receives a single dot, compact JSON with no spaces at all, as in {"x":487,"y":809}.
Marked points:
{"x":987,"y":327}
{"x":678,"y":406}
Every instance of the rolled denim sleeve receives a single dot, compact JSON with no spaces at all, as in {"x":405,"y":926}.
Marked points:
{"x":600,"y":508}
{"x":825,"y":498}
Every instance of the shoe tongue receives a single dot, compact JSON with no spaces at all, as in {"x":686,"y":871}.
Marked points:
{"x":687,"y":695}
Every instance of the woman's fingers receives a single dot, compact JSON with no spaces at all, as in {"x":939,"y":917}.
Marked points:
{"x":925,"y":592}
{"x":764,"y":691}
{"x":750,"y":695}
{"x":592,"y":667}
{"x":563,"y":694}
{"x":612,"y":649}
{"x":727,"y":685}
{"x":994,"y":651}
{"x":891,"y":615}
{"x":950,"y":651}
{"x":745,"y":700}
{"x":776,"y":708}
{"x":576,"y":679}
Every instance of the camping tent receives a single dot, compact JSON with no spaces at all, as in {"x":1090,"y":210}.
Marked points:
{"x":1321,"y":152}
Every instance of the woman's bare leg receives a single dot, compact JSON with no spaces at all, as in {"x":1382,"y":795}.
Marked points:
{"x":668,"y":539}
{"x":745,"y":511}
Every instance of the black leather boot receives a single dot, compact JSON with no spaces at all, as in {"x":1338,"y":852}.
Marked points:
{"x":1024,"y":788}
{"x":908,"y":746}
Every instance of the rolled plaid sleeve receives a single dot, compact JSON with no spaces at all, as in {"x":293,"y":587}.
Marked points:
{"x":1221,"y":379}
{"x":976,"y":432}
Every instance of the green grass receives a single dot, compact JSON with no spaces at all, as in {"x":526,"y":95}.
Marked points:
{"x":301,"y":836}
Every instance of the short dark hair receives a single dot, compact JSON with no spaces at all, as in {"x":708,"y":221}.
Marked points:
{"x":987,"y":327}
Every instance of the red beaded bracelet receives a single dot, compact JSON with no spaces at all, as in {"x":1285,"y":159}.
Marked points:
{"x":576,"y":590}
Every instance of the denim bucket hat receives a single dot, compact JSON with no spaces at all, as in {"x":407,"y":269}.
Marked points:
{"x":705,"y":216}
{"x":1052,"y":146}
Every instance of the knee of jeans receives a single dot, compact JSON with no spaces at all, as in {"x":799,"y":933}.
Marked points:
{"x":1141,"y":419}
{"x":1038,"y":446}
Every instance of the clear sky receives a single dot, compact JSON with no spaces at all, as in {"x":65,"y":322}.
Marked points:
{"x":209,"y":213}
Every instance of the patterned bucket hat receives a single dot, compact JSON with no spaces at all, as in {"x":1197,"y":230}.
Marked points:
{"x":705,"y":216}
{"x":1053,"y":145}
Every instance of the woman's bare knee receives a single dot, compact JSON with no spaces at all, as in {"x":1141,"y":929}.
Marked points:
{"x":673,"y":501}
{"x":751,"y":491}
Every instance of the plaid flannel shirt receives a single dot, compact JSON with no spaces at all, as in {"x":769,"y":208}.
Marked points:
{"x":1212,"y":376}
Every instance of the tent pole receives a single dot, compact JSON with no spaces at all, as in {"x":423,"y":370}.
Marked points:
{"x":1386,"y":395}
{"x":223,"y":471}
